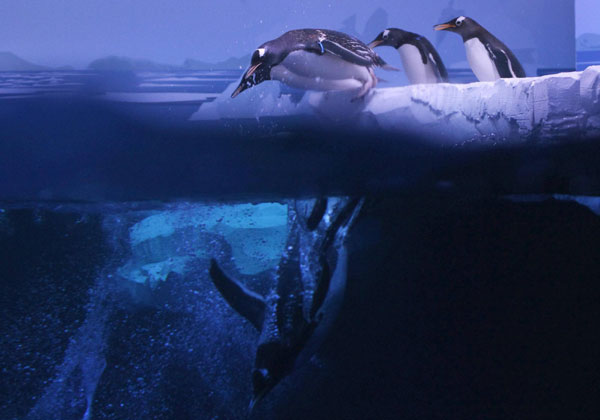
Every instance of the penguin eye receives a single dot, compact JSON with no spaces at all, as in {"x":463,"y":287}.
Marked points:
{"x":385,"y":37}
{"x":458,"y":22}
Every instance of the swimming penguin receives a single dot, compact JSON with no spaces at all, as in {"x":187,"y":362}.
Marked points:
{"x":314,"y":59}
{"x":488,"y":57}
{"x":309,"y":285}
{"x":421,"y":61}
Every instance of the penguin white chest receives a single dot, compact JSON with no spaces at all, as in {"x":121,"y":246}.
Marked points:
{"x":480,"y":61}
{"x":416,"y":71}
{"x":310,"y":71}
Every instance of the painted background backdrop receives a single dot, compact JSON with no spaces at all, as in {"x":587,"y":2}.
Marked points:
{"x":73,"y":32}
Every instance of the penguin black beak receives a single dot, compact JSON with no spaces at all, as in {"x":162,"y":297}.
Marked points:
{"x":375,"y":43}
{"x":444,"y":26}
{"x":247,"y":81}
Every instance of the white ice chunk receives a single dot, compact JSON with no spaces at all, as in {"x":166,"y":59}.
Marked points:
{"x":592,"y":203}
{"x":564,"y":104}
{"x":558,"y":105}
{"x":264,"y":100}
{"x":166,"y":241}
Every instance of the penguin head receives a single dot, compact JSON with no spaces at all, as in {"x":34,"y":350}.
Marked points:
{"x":263,"y":59}
{"x":273,"y":362}
{"x":461,"y":25}
{"x":391,"y":37}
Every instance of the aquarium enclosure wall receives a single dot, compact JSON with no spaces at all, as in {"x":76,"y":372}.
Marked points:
{"x":292,"y":210}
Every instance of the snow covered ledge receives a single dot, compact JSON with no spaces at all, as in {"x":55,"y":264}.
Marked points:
{"x":565,"y":104}
{"x":559,"y":105}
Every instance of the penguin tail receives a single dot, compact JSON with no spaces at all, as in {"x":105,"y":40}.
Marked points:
{"x":390,"y":68}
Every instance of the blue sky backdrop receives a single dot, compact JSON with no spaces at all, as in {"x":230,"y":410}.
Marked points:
{"x":588,"y":16}
{"x":57,"y":32}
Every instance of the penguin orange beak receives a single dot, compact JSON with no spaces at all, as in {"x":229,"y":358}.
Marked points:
{"x":242,"y":87}
{"x":444,"y":26}
{"x":375,"y":44}
{"x":252,"y":69}
{"x":245,"y":84}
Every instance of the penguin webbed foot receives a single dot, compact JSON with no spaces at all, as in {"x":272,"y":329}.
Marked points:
{"x":364,"y":90}
{"x":359,"y":98}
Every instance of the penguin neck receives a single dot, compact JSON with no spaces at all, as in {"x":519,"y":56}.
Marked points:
{"x":407,"y":38}
{"x":480,"y":33}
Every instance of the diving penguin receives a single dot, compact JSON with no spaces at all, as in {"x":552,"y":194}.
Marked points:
{"x":420,"y":59}
{"x":314,"y":59}
{"x":488,"y":57}
{"x":309,"y":285}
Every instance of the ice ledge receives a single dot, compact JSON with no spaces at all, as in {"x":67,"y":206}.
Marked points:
{"x":548,"y":107}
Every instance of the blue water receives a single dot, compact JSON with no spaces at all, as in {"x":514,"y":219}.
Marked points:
{"x":38,"y":83}
{"x":467,"y":296}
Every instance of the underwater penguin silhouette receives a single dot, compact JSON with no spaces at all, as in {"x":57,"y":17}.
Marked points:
{"x":293,"y":319}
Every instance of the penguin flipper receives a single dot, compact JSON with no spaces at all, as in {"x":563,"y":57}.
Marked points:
{"x":344,"y":217}
{"x":248,"y":304}
{"x":316,"y":214}
{"x":346,"y":54}
{"x":507,"y":64}
{"x":322,"y":287}
{"x":429,"y":53}
{"x":422,"y":52}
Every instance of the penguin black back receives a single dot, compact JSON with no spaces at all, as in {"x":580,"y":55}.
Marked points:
{"x":429,"y":57}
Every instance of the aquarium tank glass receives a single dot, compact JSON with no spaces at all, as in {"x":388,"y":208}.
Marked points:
{"x":302,"y":209}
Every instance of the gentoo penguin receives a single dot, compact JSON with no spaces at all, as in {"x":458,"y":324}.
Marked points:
{"x":308,"y":289}
{"x":314,"y":59}
{"x":421,"y":61}
{"x":488,"y":57}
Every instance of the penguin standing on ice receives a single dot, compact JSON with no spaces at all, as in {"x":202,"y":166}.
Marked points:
{"x":488,"y":57}
{"x":314,"y":59}
{"x":420,"y":59}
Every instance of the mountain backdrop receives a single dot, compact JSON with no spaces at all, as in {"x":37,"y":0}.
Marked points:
{"x":11,"y":62}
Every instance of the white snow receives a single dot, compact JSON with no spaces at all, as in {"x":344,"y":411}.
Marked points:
{"x":559,"y":105}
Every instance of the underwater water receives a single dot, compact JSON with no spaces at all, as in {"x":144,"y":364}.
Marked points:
{"x":472,"y":271}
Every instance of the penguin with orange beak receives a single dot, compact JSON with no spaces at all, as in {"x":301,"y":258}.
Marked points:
{"x":420,"y":59}
{"x":314,"y":59}
{"x":489,"y":58}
